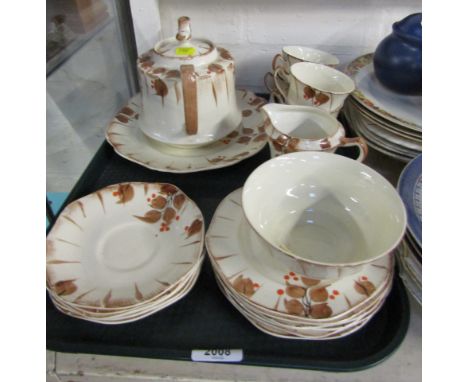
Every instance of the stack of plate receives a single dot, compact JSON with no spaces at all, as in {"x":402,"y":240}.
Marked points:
{"x":287,"y":305}
{"x":124,"y":252}
{"x":390,"y":122}
{"x":409,"y":253}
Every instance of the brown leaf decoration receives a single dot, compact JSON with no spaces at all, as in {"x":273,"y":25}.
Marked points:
{"x":217,"y":159}
{"x":224,"y":53}
{"x":173,"y":74}
{"x":216,"y":68}
{"x":243,"y":140}
{"x":292,"y":144}
{"x":125,"y":193}
{"x":151,"y":216}
{"x":233,"y":134}
{"x":256,"y":101}
{"x":278,"y":146}
{"x":247,"y":131}
{"x":127,"y":110}
{"x":160,"y":88}
{"x":320,"y":311}
{"x":319,"y":295}
{"x":295,"y":291}
{"x":159,"y":202}
{"x":260,"y":137}
{"x":169,"y":189}
{"x":244,"y":286}
{"x":325,"y":144}
{"x":122,"y":118}
{"x":194,"y":228}
{"x":169,"y":215}
{"x":246,"y":113}
{"x":309,"y":92}
{"x":158,"y":70}
{"x":321,"y":98}
{"x":64,"y":288}
{"x":364,"y":287}
{"x":147,"y":64}
{"x":309,"y":282}
{"x":294,"y":307}
{"x":179,"y":201}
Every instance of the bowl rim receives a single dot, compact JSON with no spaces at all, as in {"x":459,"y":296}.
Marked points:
{"x":358,"y":164}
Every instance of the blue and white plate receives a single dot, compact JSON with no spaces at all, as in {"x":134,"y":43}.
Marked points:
{"x":410,"y":190}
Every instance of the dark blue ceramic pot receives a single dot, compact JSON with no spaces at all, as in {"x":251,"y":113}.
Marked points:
{"x":398,"y":57}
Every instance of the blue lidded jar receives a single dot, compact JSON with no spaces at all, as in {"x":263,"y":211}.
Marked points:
{"x":398,"y":57}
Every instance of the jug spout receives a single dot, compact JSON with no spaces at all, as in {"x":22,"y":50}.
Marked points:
{"x":272,"y":109}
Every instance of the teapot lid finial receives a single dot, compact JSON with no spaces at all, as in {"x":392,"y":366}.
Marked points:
{"x":185,"y":30}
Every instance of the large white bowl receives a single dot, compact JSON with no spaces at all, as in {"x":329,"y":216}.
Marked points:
{"x":324,"y":211}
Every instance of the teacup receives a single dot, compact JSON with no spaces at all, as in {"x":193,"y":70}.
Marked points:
{"x":323,"y":212}
{"x":293,"y":128}
{"x":315,"y":85}
{"x":293,"y":54}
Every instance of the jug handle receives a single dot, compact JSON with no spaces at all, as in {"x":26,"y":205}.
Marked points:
{"x":278,"y":86}
{"x":189,"y":91}
{"x":356,"y":141}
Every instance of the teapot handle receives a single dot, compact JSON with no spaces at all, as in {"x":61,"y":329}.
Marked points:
{"x":185,"y":30}
{"x":189,"y":91}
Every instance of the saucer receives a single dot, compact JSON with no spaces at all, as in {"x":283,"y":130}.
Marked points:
{"x":240,"y":256}
{"x":125,"y":136}
{"x":124,"y":245}
{"x":400,"y":109}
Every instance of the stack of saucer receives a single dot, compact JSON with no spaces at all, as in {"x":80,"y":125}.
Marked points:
{"x":333,"y":292}
{"x":390,"y":122}
{"x":409,"y":253}
{"x":124,"y":252}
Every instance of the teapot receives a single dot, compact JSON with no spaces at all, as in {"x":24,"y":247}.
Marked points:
{"x":398,"y":57}
{"x":188,"y":93}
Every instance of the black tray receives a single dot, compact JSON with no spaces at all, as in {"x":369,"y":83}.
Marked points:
{"x":204,"y":319}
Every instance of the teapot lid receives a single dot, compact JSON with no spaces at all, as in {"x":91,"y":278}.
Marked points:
{"x":183,"y":46}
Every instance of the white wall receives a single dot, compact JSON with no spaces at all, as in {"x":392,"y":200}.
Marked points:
{"x":254,"y":30}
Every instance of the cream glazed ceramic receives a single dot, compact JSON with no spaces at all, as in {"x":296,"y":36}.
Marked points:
{"x":131,"y":315}
{"x":252,"y":274}
{"x":188,"y":92}
{"x":293,"y":54}
{"x":273,"y":326}
{"x":123,"y":245}
{"x":336,"y":214}
{"x":293,"y":128}
{"x":313,"y":84}
{"x":247,"y":140}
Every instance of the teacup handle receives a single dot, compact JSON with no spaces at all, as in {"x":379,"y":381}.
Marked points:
{"x":271,"y":89}
{"x":283,"y":92}
{"x":275,"y":59}
{"x":360,"y":143}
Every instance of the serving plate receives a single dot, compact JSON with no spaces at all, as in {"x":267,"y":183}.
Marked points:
{"x":125,"y":136}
